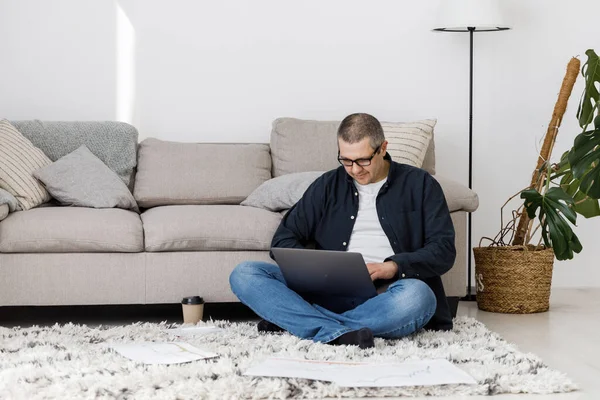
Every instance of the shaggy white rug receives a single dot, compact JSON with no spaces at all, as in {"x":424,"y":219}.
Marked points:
{"x":73,"y":361}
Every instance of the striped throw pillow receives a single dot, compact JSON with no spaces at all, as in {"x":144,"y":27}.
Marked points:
{"x":408,"y":141}
{"x":18,"y":159}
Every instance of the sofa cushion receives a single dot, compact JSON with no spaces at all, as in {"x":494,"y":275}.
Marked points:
{"x":172,"y":173}
{"x":82,"y":179}
{"x":115,"y":143}
{"x":3,"y":211}
{"x":71,"y":230}
{"x":18,"y":159}
{"x":299,"y":145}
{"x":208,"y":227}
{"x":305,"y":145}
{"x":458,"y":196}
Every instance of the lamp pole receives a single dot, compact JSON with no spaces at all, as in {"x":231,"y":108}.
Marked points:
{"x":471,"y":29}
{"x":470,"y":296}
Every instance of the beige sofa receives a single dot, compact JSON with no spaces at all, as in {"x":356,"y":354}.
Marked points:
{"x":192,"y":230}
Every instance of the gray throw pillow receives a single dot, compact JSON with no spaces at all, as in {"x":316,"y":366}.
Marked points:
{"x":283,"y":192}
{"x":9,"y":199}
{"x":82,"y":179}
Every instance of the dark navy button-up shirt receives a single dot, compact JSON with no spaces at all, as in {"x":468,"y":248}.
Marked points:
{"x":413,"y":214}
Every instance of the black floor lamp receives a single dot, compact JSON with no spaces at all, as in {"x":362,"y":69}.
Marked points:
{"x":470,"y":16}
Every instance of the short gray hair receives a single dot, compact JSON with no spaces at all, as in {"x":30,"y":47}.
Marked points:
{"x":356,"y":127}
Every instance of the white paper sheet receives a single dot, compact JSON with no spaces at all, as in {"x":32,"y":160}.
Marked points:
{"x":186,"y":331}
{"x":162,"y":353}
{"x":409,"y":373}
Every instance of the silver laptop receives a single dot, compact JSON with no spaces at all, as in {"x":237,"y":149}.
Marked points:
{"x":336,"y":280}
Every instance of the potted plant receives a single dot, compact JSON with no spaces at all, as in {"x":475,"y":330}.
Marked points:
{"x":514,"y":273}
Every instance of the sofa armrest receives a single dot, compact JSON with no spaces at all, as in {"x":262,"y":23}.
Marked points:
{"x":458,"y":196}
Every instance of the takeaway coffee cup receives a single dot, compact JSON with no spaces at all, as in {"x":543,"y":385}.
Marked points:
{"x":193,"y":308}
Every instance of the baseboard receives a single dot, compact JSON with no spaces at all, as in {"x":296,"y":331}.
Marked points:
{"x":10,"y":315}
{"x":44,"y":315}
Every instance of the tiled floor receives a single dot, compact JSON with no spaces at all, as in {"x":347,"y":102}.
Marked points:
{"x":567,"y":337}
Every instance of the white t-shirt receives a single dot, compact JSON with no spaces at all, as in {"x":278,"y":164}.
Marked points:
{"x":368,"y":238}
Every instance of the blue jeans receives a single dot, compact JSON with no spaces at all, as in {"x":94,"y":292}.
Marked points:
{"x":405,"y":307}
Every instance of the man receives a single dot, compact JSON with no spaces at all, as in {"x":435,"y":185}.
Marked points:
{"x":395,"y":215}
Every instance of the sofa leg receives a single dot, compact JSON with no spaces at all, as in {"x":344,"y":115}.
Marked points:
{"x":453,"y":303}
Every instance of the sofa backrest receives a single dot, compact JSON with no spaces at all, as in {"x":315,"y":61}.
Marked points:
{"x":115,"y":143}
{"x":299,"y":145}
{"x":172,"y":173}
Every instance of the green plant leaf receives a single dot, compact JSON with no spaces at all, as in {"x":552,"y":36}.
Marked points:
{"x":569,"y":184}
{"x":584,"y":159}
{"x":564,"y":242}
{"x":558,"y":199}
{"x":555,"y":212}
{"x":562,"y":170}
{"x":585,"y":205}
{"x":590,"y":95}
{"x":533,"y":200}
{"x":564,"y":162}
{"x":590,"y":183}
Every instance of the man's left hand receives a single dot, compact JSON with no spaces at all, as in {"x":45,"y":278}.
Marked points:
{"x":385,"y":270}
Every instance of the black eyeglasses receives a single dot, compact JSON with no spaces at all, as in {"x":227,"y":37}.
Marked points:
{"x":363,"y":162}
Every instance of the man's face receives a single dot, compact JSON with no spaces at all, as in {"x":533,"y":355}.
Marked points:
{"x":361,"y":152}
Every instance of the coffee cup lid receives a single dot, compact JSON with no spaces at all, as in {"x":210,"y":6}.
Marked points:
{"x":192,"y":300}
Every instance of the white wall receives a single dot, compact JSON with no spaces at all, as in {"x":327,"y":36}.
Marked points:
{"x":222,"y":71}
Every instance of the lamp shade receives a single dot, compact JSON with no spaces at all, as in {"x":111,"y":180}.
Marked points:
{"x":479,"y":15}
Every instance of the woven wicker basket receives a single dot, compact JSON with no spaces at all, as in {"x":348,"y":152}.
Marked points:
{"x":513,"y":279}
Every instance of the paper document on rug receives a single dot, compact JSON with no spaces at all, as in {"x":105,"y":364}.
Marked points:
{"x":194,"y":330}
{"x":162,"y":352}
{"x":409,"y":373}
{"x":347,"y":374}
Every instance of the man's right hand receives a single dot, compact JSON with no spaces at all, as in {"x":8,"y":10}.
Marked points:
{"x":385,"y":270}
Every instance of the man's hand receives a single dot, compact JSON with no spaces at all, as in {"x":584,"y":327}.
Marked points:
{"x":386,"y":270}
